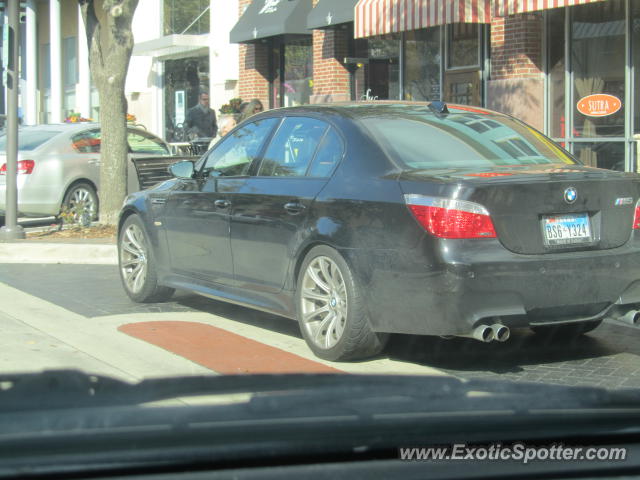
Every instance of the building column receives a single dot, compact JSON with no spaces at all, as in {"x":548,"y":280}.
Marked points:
{"x":55,"y":46}
{"x":516,"y":86}
{"x":30,"y":95}
{"x":83,"y":88}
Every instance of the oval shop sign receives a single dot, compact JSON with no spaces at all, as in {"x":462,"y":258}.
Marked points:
{"x":599,"y":105}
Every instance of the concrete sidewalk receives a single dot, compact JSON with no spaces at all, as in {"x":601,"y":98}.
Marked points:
{"x":70,"y":252}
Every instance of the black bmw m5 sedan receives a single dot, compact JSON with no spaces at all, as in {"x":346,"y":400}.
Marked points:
{"x":364,"y":219}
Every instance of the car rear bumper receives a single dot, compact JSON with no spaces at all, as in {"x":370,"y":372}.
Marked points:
{"x":32,"y":201}
{"x":474,"y":282}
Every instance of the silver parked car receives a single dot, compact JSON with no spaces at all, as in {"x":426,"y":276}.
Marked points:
{"x":59,"y":167}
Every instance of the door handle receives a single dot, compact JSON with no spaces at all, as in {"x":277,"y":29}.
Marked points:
{"x":294,"y":208}
{"x":94,"y":161}
{"x":222,"y":203}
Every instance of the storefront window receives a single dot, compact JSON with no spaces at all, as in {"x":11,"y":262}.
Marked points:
{"x":598,"y":64}
{"x":422,"y":65}
{"x":298,"y":73}
{"x":184,"y":79}
{"x":556,"y":32}
{"x":383,"y":70}
{"x":463,"y":45}
{"x":601,"y":154}
{"x":186,"y":17}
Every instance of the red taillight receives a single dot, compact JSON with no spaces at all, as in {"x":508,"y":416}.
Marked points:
{"x":636,"y":218}
{"x":448,"y":218}
{"x":24,"y":167}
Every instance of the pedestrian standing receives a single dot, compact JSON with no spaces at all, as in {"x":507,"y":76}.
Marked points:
{"x":200,"y":121}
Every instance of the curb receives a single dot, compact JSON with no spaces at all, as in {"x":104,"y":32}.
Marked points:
{"x":67,"y":253}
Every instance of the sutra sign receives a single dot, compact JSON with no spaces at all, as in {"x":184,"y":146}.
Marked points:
{"x":599,"y":105}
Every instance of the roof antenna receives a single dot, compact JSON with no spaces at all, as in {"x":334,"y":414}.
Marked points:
{"x":438,"y":107}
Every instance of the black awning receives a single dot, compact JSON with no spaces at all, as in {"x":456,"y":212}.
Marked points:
{"x":329,"y":13}
{"x":269,"y":18}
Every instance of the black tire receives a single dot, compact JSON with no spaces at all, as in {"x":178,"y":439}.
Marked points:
{"x":81,"y":190}
{"x":357,"y":339}
{"x":143,"y":287}
{"x":567,"y":331}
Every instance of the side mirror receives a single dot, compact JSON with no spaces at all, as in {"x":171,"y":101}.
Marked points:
{"x":184,"y":169}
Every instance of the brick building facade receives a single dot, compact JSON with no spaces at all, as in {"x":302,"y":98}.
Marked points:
{"x":532,"y":61}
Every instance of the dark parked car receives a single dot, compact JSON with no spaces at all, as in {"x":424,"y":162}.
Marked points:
{"x":365,"y":219}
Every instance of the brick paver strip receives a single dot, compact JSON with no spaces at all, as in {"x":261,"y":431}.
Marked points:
{"x":220,"y":350}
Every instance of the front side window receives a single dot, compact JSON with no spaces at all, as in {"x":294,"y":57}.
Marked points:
{"x":292,"y":148}
{"x":234,"y":154}
{"x":86,"y":142}
{"x":142,"y":142}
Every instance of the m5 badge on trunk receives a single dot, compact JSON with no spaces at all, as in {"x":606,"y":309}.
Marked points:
{"x":570,"y":195}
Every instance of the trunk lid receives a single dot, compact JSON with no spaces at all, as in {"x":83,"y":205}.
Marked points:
{"x":526,"y":203}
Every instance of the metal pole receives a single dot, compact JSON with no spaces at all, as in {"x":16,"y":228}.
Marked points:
{"x":11,"y":230}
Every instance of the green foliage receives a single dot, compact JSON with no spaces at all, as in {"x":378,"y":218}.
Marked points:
{"x":232,"y":107}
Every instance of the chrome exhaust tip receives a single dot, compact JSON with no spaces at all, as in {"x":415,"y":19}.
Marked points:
{"x":482,"y":333}
{"x":632,"y":317}
{"x":500,"y":332}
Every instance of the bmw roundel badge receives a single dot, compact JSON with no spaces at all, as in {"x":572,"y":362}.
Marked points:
{"x":570,"y":195}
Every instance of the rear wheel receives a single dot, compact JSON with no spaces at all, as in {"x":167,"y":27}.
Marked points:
{"x":569,"y":330}
{"x":81,"y":203}
{"x":330,"y":307}
{"x":137,"y":265}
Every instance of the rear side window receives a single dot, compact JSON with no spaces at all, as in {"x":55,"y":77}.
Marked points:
{"x":86,"y":142}
{"x":330,"y":152}
{"x":292,"y":148}
{"x":142,"y":142}
{"x":427,"y":141}
{"x":29,"y":139}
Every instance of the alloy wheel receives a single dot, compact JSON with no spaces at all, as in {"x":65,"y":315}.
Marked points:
{"x":324,"y":302}
{"x":133,"y":258}
{"x":82,"y":205}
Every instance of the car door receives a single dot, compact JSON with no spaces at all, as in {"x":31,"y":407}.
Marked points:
{"x":271,"y":209}
{"x":197,"y":210}
{"x":143,"y":144}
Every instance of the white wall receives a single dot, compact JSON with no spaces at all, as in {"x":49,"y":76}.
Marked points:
{"x":143,"y":83}
{"x":223,"y":56}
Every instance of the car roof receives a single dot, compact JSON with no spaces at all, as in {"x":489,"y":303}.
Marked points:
{"x":380,"y":107}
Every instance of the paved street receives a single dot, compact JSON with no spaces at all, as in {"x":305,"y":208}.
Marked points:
{"x":78,"y":315}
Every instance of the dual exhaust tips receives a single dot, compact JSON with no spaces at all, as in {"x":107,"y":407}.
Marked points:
{"x":490,"y":333}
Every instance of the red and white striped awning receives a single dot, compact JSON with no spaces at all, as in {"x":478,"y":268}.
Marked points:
{"x":379,"y":17}
{"x":502,"y":8}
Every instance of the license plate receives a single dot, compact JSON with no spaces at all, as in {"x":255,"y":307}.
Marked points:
{"x":566,"y":229}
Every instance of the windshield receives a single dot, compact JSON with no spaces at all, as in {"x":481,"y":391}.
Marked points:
{"x":462,"y":140}
{"x":29,"y":139}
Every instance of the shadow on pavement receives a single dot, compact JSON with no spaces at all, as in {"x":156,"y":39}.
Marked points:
{"x":249,"y":316}
{"x":521,"y":349}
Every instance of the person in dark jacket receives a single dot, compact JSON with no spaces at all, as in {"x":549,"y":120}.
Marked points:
{"x":201,"y":119}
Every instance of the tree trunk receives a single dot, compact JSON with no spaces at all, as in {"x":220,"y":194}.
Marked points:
{"x":110,"y":43}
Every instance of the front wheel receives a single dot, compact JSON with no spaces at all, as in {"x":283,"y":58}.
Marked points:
{"x":569,"y":330}
{"x":137,"y":266}
{"x":330,"y":307}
